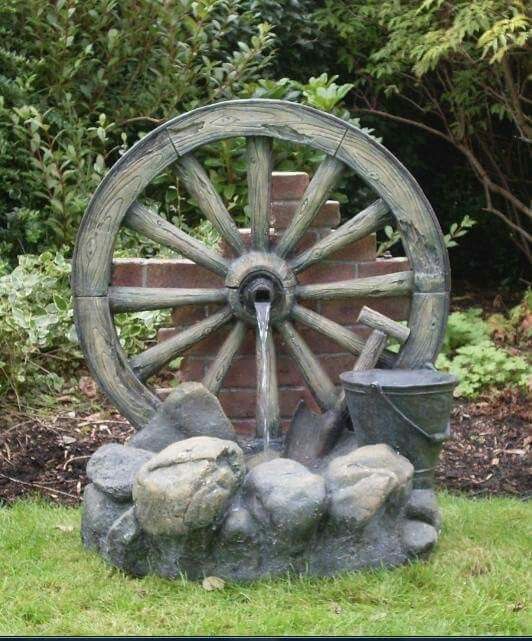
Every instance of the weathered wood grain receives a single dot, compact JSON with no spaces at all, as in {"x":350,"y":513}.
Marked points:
{"x":379,"y":321}
{"x":363,"y":224}
{"x":427,"y":329}
{"x":336,"y":332}
{"x":259,"y":159}
{"x":267,"y":412}
{"x":315,"y":376}
{"x":160,"y":230}
{"x":420,"y":231}
{"x":133,"y":299}
{"x":257,"y":117}
{"x":398,"y":284}
{"x":199,"y":186}
{"x":108,"y":363}
{"x":91,"y":264}
{"x":218,"y":369}
{"x":326,"y":176}
{"x":153,"y":359}
{"x":370,"y":354}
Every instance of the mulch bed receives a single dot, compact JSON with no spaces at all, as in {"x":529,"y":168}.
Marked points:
{"x":489,"y":453}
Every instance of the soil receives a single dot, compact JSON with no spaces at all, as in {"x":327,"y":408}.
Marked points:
{"x":489,"y":453}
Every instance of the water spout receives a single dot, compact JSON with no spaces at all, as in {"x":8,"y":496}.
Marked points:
{"x":262,"y":309}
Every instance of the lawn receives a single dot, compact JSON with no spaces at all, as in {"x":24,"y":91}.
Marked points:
{"x":475,"y":583}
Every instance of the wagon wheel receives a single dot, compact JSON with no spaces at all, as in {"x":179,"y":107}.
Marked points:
{"x":262,"y":271}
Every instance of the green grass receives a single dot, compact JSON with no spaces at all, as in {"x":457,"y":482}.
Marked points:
{"x":475,"y":583}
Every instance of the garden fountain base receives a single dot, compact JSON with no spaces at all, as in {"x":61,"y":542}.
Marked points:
{"x":200,"y":507}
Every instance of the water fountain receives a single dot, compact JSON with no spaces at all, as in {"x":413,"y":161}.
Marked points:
{"x":343,"y":489}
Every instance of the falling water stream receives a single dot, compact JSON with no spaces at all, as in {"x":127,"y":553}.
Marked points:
{"x":262,"y":310}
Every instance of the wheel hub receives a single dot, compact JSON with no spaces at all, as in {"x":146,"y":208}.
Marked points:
{"x":260,"y":277}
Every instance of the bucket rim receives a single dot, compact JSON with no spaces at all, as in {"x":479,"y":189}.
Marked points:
{"x":401,"y":380}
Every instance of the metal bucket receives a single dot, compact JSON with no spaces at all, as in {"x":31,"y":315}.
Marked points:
{"x":407,"y":409}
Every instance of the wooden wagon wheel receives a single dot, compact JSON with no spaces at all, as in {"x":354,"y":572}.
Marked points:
{"x":114,"y":204}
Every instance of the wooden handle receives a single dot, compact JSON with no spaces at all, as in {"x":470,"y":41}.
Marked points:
{"x":372,"y":350}
{"x":378,"y":321}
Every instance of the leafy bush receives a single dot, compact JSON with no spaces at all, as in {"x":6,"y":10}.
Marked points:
{"x":82,"y":81}
{"x":39,"y":352}
{"x":469,"y":352}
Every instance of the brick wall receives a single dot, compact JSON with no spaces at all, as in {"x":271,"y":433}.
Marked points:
{"x":238,"y":393}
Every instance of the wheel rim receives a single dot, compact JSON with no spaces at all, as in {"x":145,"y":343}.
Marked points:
{"x":115,"y":203}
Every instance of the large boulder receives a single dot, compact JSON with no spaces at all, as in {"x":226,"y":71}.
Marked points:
{"x":188,"y":485}
{"x":113,"y":467}
{"x":360,"y":483}
{"x":190,"y":410}
{"x":286,"y":497}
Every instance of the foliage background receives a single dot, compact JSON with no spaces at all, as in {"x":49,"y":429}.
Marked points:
{"x":442,"y":84}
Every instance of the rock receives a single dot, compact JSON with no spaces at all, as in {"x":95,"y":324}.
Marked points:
{"x":155,"y":437}
{"x":285,"y":496}
{"x":380,"y":457}
{"x":355,"y":505}
{"x":112,"y":469}
{"x":190,"y":410}
{"x":124,"y":546}
{"x":261,"y":457}
{"x":99,"y":513}
{"x":418,"y":537}
{"x":423,"y":506}
{"x":188,"y":485}
{"x":361,"y":481}
{"x":238,"y":527}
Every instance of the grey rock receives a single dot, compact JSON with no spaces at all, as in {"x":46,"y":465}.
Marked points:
{"x":99,"y":513}
{"x":261,"y":457}
{"x":418,"y":537}
{"x":238,"y":527}
{"x":423,"y":506}
{"x":112,"y":469}
{"x":355,"y":505}
{"x":188,"y":485}
{"x":155,"y":437}
{"x":287,"y":497}
{"x":124,"y":545}
{"x":382,"y":456}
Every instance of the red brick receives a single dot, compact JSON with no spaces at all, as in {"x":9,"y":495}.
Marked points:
{"x":346,"y":311}
{"x":128,"y":272}
{"x":243,"y":372}
{"x":335,"y":364}
{"x":288,"y":185}
{"x":191,"y":369}
{"x":188,"y":315}
{"x":179,"y":273}
{"x":382,"y":266}
{"x":326,"y":272}
{"x":282,"y":212}
{"x":365,"y":249}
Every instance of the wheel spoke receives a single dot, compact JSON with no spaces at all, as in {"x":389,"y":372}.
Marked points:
{"x":339,"y":334}
{"x":315,"y":376}
{"x":158,"y":229}
{"x":398,"y":284}
{"x":315,"y":195}
{"x":267,"y":417}
{"x":202,"y":190}
{"x":220,"y":366}
{"x":366,"y":222}
{"x":132,"y":299}
{"x":152,"y":360}
{"x":259,"y":158}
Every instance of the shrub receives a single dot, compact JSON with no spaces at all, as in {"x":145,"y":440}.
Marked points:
{"x":39,"y":351}
{"x":470,"y":353}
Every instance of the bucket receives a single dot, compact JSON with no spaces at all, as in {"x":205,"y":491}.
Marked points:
{"x":407,"y":409}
